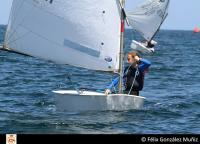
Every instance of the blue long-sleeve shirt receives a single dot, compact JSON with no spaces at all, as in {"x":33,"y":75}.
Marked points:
{"x":144,"y":65}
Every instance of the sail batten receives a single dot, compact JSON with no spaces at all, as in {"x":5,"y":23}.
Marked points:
{"x":80,"y":33}
{"x":148,"y":17}
{"x":82,"y":48}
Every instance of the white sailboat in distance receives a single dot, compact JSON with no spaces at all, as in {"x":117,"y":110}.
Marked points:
{"x":64,"y":30}
{"x":147,"y":19}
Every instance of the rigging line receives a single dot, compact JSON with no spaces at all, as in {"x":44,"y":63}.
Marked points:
{"x":9,"y":42}
{"x":15,"y":16}
{"x":73,"y":84}
{"x":159,"y":27}
{"x":136,"y":73}
{"x":125,"y":72}
{"x":19,"y":24}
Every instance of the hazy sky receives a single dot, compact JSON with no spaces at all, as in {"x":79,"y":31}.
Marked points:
{"x":183,"y":14}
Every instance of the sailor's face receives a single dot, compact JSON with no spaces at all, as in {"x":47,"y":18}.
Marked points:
{"x":130,"y":59}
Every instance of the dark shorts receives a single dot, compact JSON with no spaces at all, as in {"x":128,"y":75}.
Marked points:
{"x":137,"y":93}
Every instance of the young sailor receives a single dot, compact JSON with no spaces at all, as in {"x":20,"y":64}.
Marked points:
{"x":150,"y":44}
{"x":133,"y":78}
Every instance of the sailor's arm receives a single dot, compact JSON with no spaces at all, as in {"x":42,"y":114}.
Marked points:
{"x":145,"y":64}
{"x":113,"y":84}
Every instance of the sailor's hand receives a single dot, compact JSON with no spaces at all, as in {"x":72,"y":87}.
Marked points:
{"x":107,"y":92}
{"x":137,"y":58}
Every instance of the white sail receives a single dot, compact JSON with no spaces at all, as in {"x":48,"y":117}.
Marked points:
{"x":82,"y":33}
{"x":148,"y":17}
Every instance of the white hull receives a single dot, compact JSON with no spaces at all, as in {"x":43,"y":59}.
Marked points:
{"x":137,"y":46}
{"x":70,"y":100}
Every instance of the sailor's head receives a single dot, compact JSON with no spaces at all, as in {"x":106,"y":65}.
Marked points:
{"x":153,"y":42}
{"x":132,"y":57}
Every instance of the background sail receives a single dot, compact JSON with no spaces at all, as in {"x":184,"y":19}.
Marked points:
{"x":82,"y":33}
{"x":148,"y":17}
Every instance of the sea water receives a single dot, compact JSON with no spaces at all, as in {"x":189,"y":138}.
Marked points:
{"x":172,"y":91}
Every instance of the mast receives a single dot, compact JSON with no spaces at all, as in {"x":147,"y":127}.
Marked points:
{"x":164,"y":18}
{"x":121,"y":56}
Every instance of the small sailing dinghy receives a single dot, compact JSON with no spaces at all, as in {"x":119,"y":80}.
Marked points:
{"x":73,"y":100}
{"x":83,"y":33}
{"x":147,"y":20}
{"x":141,"y":47}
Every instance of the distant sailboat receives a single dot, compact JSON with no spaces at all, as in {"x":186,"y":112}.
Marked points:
{"x":147,"y":20}
{"x":196,"y":29}
{"x":81,"y":33}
